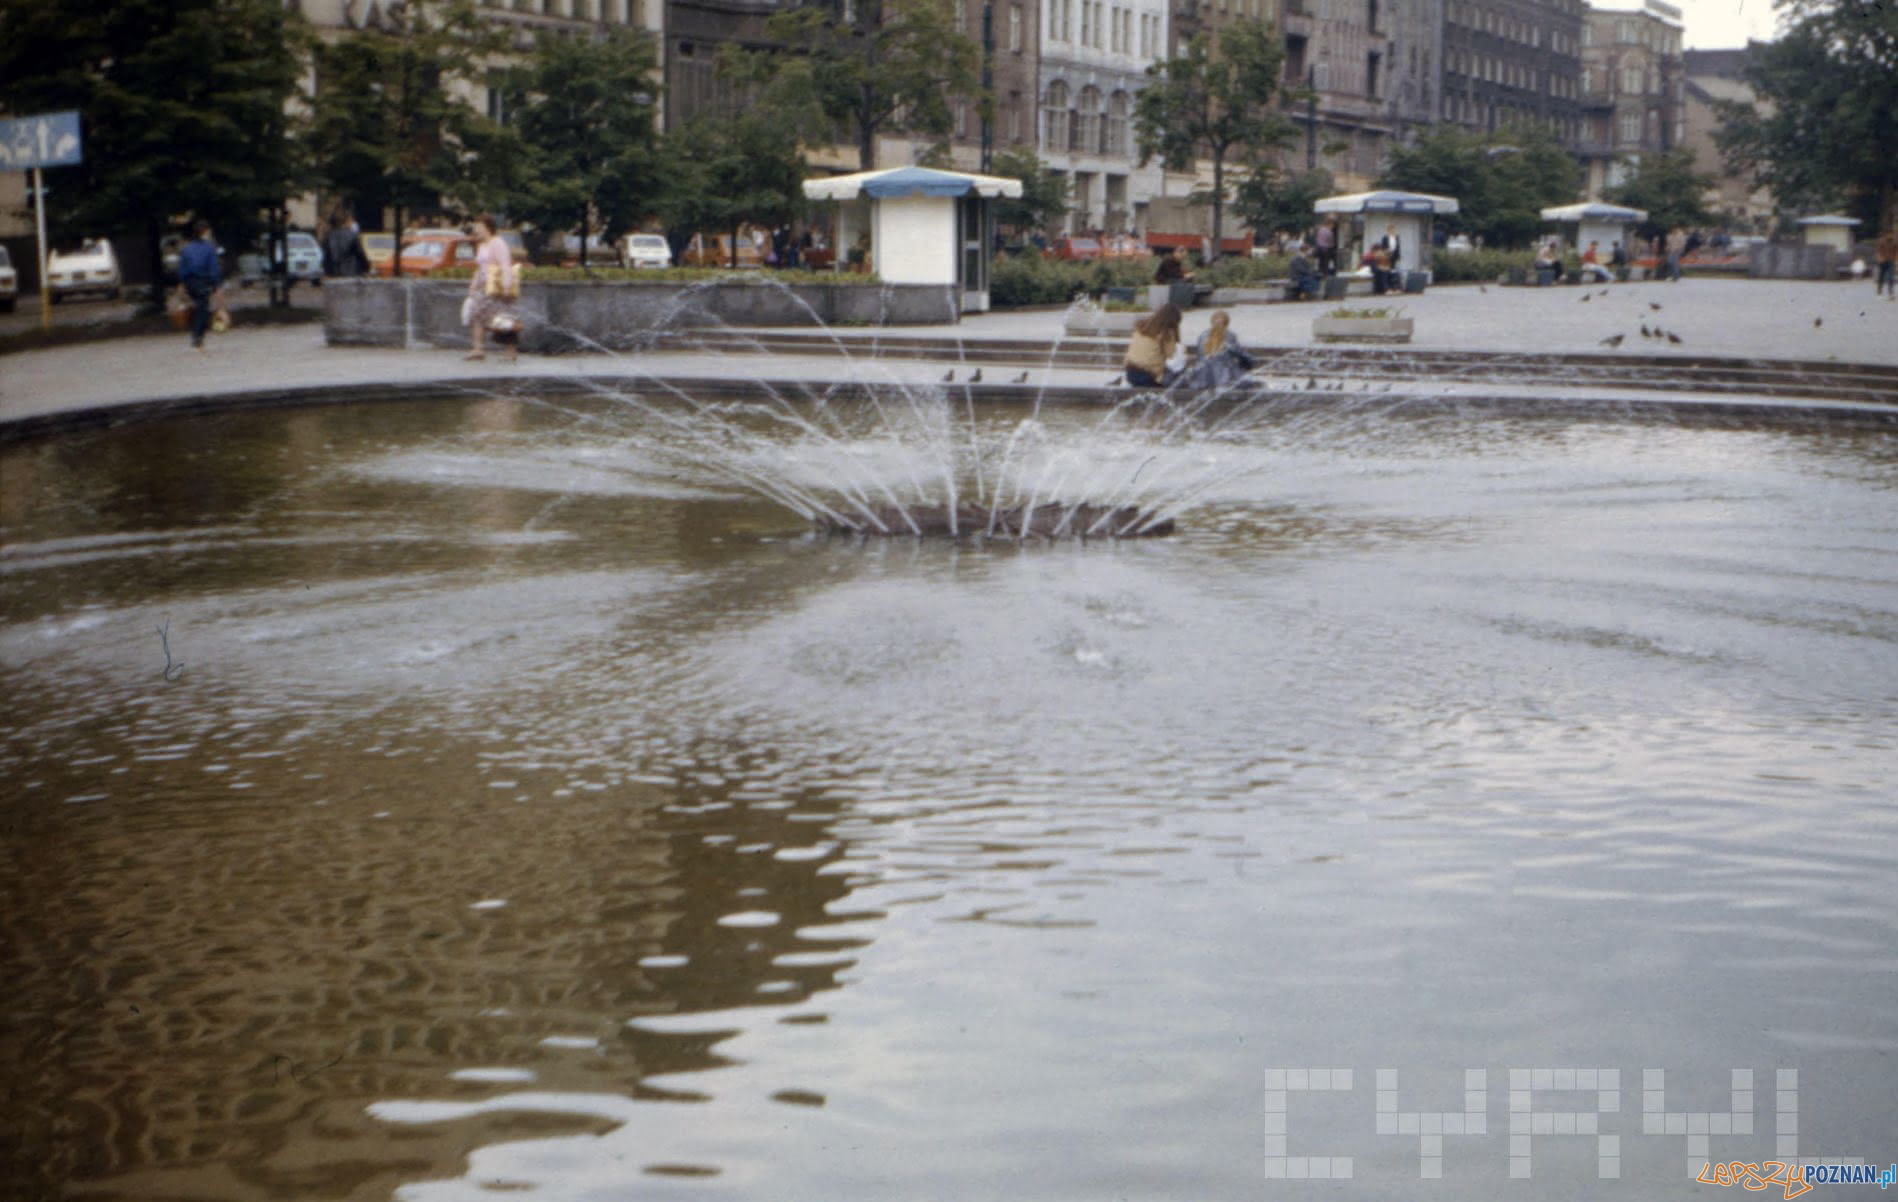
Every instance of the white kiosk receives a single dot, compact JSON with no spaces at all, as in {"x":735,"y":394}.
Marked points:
{"x":1603,"y":224}
{"x":1828,"y":229}
{"x":925,"y":226}
{"x":1408,"y":213}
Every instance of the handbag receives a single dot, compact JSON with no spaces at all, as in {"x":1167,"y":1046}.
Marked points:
{"x":467,"y":310}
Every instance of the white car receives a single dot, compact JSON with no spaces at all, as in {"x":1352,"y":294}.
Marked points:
{"x":1458,"y":243}
{"x":91,"y":268}
{"x":9,"y":282}
{"x":647,"y":250}
{"x":304,"y":254}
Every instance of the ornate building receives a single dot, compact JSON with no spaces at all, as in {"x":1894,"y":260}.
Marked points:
{"x":1632,"y":84}
{"x":1094,"y":59}
{"x":1371,"y":69}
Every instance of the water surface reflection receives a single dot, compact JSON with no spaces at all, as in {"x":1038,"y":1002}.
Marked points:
{"x":530,"y":815}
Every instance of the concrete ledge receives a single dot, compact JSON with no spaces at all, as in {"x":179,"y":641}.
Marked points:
{"x":588,"y":315}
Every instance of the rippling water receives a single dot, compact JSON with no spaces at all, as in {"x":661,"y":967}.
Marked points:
{"x":504,"y":810}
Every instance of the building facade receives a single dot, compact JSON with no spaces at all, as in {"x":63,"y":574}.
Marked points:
{"x":1371,"y":70}
{"x":1632,"y":84}
{"x":1094,"y":60}
{"x":1513,"y":62}
{"x":1713,"y":77}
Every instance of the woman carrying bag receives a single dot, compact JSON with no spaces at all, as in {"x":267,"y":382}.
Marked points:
{"x":492,"y":294}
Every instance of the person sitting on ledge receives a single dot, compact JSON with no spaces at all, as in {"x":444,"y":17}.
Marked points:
{"x":1304,"y":277}
{"x":1171,"y":269}
{"x":1221,"y":360}
{"x":1154,"y":342}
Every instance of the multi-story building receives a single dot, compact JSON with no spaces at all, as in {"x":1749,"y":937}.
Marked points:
{"x":1371,"y":71}
{"x":1094,"y":59}
{"x":1632,"y":82}
{"x":1710,"y":78}
{"x":1513,"y":62}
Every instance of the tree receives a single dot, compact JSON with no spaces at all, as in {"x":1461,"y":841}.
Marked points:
{"x":388,"y":127}
{"x":1216,"y":99}
{"x":1501,"y":181}
{"x":870,"y":68}
{"x":586,"y":116}
{"x":1668,"y":187}
{"x":1271,"y":198}
{"x":182,"y":110}
{"x":1826,"y":123}
{"x":1044,"y":191}
{"x":725,"y":170}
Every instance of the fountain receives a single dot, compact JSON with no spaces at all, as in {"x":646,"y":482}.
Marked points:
{"x":446,"y":796}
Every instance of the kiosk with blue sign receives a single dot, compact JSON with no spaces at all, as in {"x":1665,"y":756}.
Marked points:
{"x":924,"y":226}
{"x":1408,"y":214}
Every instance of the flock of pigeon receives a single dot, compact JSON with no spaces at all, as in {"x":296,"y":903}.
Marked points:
{"x":1654,"y":332}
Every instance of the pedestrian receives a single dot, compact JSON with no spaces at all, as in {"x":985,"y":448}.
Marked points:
{"x":1171,"y":269}
{"x":1325,"y":239}
{"x":343,"y":254}
{"x":1152,"y":354}
{"x":1220,"y":361}
{"x":1675,"y":242}
{"x":201,"y":279}
{"x":492,"y":293}
{"x":1887,"y":254}
{"x":1387,"y":254}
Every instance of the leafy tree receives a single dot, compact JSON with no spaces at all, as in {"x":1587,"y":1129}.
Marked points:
{"x":388,"y":127}
{"x":1827,"y":123}
{"x":1271,"y":198}
{"x":875,"y":67}
{"x":1044,"y":191}
{"x":1216,"y":99}
{"x":1501,"y":181}
{"x":723,"y":171}
{"x":182,"y":110}
{"x":586,"y":115}
{"x":1669,"y":188}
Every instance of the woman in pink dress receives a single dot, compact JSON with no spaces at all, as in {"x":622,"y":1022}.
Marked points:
{"x":492,"y":292}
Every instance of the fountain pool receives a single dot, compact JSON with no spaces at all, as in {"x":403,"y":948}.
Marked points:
{"x":507,"y":808}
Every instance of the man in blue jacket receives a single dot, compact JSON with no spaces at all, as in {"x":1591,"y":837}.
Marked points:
{"x":200,"y":275}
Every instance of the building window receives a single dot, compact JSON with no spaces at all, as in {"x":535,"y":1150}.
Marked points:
{"x":1087,"y":124}
{"x":1119,"y":106}
{"x":1054,"y":117}
{"x":1014,"y":28}
{"x":1370,"y":74}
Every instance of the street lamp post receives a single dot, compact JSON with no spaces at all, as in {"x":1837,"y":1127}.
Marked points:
{"x":988,"y":86}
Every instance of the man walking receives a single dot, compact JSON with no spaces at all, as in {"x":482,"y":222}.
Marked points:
{"x":343,"y":254}
{"x":201,"y":276}
{"x":1887,"y":255}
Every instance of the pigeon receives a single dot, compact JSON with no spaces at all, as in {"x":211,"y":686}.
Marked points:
{"x":1114,"y":382}
{"x":1655,"y":305}
{"x":1311,"y":384}
{"x":1584,"y":298}
{"x":1613,"y":340}
{"x":949,"y":377}
{"x":1645,"y":332}
{"x":1817,"y":322}
{"x":975,"y":377}
{"x":1673,"y":338}
{"x":1022,"y":379}
{"x":1483,"y":289}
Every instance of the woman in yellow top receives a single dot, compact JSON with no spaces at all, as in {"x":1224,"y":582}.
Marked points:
{"x":1153,"y":343}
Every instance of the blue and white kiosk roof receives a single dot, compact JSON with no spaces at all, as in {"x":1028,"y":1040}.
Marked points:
{"x":1421,"y":204}
{"x":910,"y":181}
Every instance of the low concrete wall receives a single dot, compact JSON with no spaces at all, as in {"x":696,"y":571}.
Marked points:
{"x":1777,"y":261}
{"x":583,"y":314}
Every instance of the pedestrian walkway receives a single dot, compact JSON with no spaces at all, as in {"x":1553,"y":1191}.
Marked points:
{"x":1741,"y":319}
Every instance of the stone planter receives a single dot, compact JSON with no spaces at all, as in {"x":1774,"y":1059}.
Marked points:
{"x":1100,"y":323}
{"x":1362,"y":329}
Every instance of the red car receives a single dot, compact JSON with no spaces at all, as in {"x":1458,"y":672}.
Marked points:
{"x":1074,"y":247}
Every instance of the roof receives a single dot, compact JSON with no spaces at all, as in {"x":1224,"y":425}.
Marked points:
{"x":1386,"y":202}
{"x":1828,"y":219}
{"x":909,"y":181}
{"x":1595,"y":211}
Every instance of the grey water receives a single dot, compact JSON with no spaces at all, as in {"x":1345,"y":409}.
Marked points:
{"x":508,"y":808}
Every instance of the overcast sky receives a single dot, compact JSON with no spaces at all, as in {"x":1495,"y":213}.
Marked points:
{"x":1725,"y":24}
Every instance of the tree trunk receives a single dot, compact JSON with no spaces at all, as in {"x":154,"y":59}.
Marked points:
{"x":398,"y":241}
{"x":1219,"y":198}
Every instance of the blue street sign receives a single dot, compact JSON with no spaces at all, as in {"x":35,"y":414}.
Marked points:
{"x":48,"y":140}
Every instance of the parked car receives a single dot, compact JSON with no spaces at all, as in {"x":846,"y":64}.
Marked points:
{"x":303,"y":254}
{"x":380,"y":249}
{"x":433,"y":253}
{"x":715,"y":250}
{"x":1457,"y":243}
{"x":1075,"y":248}
{"x":92,"y":268}
{"x":646,"y":250}
{"x":600,"y":252}
{"x":9,"y":283}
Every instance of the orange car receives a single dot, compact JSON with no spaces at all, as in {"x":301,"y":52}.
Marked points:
{"x":433,"y":253}
{"x":715,"y":250}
